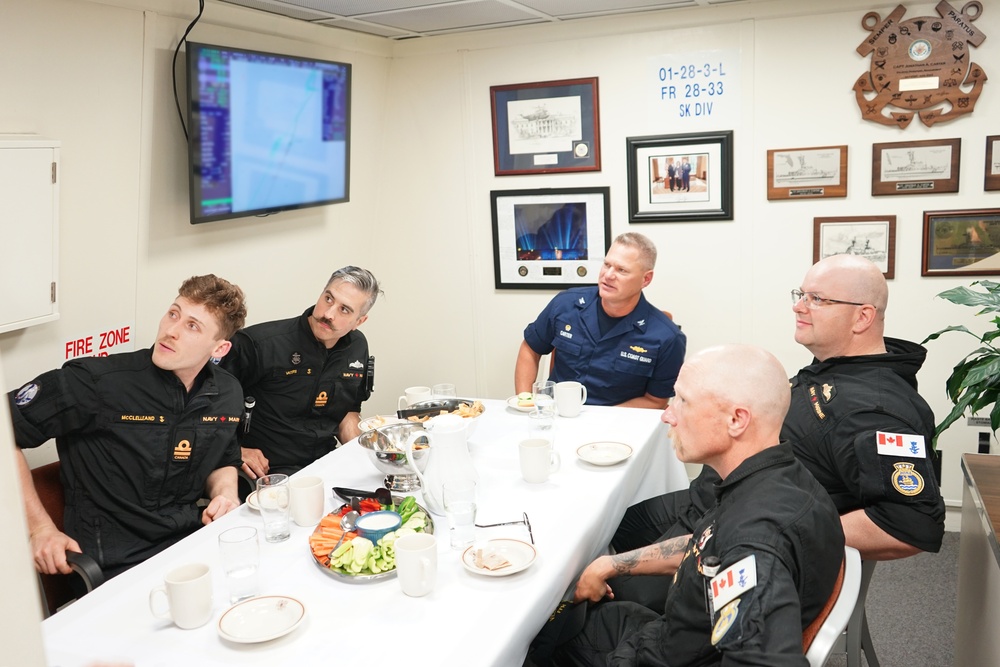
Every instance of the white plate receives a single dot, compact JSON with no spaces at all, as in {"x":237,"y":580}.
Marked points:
{"x":378,"y":421}
{"x":261,"y":619}
{"x":520,"y":554}
{"x":252,"y":501}
{"x":512,"y":403}
{"x":604,"y":453}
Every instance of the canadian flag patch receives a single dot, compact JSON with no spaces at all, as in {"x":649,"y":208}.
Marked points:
{"x":896,"y":444}
{"x":733,"y":582}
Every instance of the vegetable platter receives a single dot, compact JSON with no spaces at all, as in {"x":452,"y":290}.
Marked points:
{"x":358,"y":560}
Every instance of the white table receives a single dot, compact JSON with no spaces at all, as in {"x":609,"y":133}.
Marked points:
{"x":573,"y":516}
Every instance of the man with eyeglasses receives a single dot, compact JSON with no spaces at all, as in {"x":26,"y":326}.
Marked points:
{"x":856,"y":422}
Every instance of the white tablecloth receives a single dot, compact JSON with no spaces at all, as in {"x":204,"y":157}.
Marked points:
{"x":467,"y":619}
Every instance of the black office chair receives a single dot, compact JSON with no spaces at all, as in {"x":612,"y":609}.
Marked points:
{"x":59,"y":590}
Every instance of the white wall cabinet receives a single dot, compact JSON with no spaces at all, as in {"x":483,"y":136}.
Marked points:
{"x":29,"y":232}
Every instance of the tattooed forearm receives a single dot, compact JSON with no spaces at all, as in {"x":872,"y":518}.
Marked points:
{"x":668,"y":550}
{"x":673,"y":546}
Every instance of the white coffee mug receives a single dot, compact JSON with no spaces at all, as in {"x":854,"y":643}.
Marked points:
{"x":306,"y":500}
{"x":188,"y":594}
{"x":416,"y":563}
{"x":570,"y":397}
{"x":413,"y":395}
{"x":538,"y":460}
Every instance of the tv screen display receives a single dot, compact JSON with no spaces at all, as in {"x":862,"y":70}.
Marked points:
{"x":267,"y":132}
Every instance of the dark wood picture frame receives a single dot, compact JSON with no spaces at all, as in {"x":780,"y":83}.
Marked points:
{"x":870,"y":236}
{"x":546,"y":127}
{"x":991,"y":178}
{"x":550,"y":238}
{"x":961,"y":243}
{"x":807,"y":173}
{"x":652,"y":195}
{"x":916,"y":167}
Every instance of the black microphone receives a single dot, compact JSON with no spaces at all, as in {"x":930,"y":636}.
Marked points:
{"x":248,"y":405}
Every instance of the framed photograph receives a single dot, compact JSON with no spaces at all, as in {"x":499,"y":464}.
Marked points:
{"x":680,"y":177}
{"x":545,"y":128}
{"x":807,"y":173}
{"x":550,"y":238}
{"x":961,"y":243}
{"x":870,"y":236}
{"x":916,"y":167}
{"x":992,"y":181}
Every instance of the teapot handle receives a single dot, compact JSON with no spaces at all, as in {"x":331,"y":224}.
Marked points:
{"x":409,"y":455}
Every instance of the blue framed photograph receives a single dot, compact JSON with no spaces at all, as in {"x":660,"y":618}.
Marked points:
{"x":546,"y":127}
{"x":550,"y":238}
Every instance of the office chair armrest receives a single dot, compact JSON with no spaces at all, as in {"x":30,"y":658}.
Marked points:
{"x":87,"y":568}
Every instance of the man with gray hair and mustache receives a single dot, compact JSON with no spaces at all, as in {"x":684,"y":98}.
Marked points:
{"x":308,"y":376}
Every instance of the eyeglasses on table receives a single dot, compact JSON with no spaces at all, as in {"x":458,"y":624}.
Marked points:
{"x":524,"y":521}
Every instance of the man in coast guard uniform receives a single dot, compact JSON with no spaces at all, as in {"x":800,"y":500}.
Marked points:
{"x":760,"y":564}
{"x":856,"y":422}
{"x":308,"y":376}
{"x":608,"y":338}
{"x":142,"y":437}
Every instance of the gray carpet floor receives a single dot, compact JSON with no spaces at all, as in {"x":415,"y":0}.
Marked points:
{"x":911,"y":610}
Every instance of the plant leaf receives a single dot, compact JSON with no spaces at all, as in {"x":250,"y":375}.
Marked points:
{"x":985,"y":369}
{"x":954,"y":327}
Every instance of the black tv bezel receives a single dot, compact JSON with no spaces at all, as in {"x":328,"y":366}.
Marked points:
{"x":194,"y":135}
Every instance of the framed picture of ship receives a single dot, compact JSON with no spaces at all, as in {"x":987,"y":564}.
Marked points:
{"x":916,"y":167}
{"x":552,"y":238}
{"x":869,"y":236}
{"x":961,"y":243}
{"x":807,"y":173}
{"x":680,"y":177}
{"x":992,"y":180}
{"x":546,"y":127}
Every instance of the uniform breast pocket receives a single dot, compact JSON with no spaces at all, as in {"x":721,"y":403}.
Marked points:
{"x":641,"y":367}
{"x":188,"y":450}
{"x":566,"y":347}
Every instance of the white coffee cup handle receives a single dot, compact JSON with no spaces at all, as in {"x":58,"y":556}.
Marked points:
{"x":402,"y":403}
{"x":554,"y":462}
{"x":584,"y":399}
{"x":425,"y":573}
{"x":152,"y":608}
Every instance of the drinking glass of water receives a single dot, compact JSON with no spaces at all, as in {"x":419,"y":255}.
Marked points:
{"x":241,"y":560}
{"x":460,"y":506}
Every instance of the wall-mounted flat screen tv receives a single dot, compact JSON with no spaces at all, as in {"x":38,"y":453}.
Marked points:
{"x":268,"y":132}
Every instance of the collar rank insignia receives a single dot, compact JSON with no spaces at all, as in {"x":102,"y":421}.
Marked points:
{"x":641,"y":323}
{"x":906,"y":480}
{"x":726,"y":620}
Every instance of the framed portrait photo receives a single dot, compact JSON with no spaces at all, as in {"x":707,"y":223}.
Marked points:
{"x":916,"y":167}
{"x":869,"y":236}
{"x":961,"y":243}
{"x":807,"y":173}
{"x":546,"y":127}
{"x":992,"y":177}
{"x":680,"y":177}
{"x":550,"y":238}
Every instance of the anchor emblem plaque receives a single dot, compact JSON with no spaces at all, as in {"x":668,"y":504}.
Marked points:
{"x":921,"y":67}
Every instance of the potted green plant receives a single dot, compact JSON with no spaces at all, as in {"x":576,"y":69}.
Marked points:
{"x":974,"y":383}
